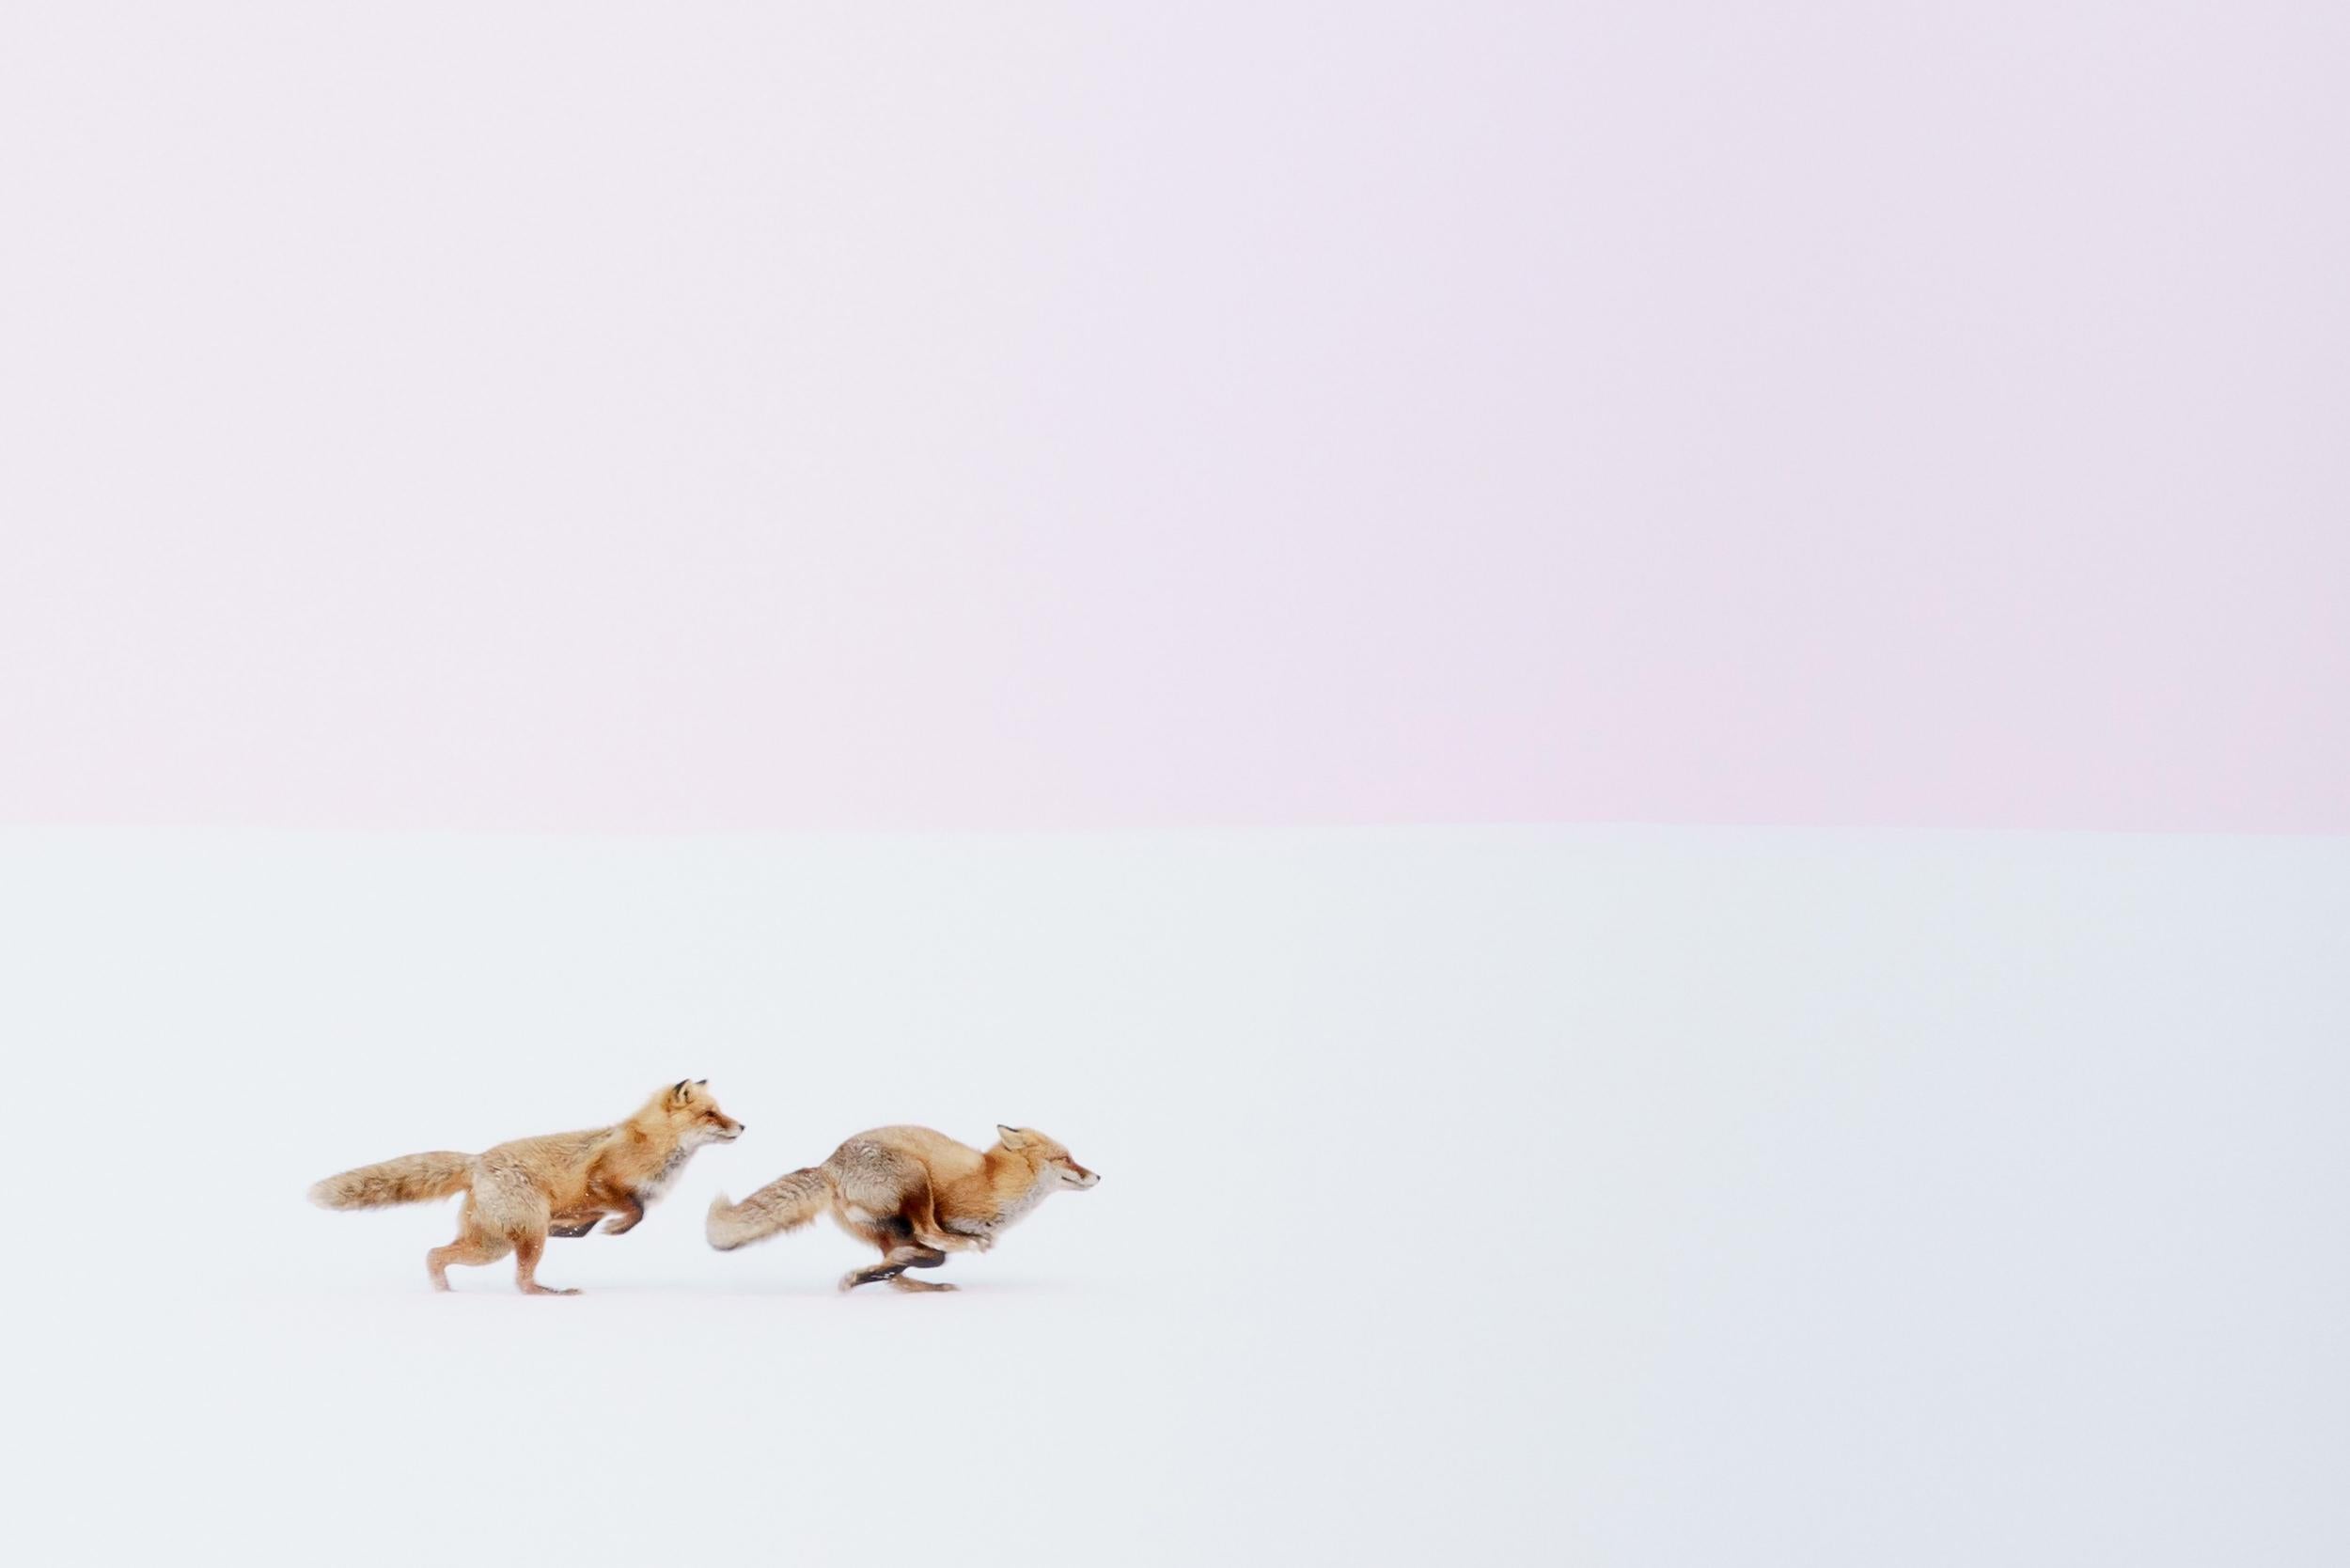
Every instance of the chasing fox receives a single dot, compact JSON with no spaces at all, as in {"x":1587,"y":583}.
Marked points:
{"x":519,"y":1193}
{"x":915,"y":1194}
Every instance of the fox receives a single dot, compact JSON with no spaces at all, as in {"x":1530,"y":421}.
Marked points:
{"x":519,"y":1193}
{"x":915,"y":1194}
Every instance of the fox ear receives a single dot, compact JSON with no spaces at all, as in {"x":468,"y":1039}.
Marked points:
{"x":678,"y":1092}
{"x":1014,"y":1137}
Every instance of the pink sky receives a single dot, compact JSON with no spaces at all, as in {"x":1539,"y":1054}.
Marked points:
{"x":935,"y":419}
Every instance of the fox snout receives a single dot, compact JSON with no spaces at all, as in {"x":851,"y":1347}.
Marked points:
{"x":697,"y":1115}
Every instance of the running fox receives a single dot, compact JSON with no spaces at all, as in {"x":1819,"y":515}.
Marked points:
{"x":915,"y":1194}
{"x":519,"y":1193}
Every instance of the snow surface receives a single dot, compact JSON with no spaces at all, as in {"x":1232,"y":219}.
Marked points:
{"x":1621,"y":1197}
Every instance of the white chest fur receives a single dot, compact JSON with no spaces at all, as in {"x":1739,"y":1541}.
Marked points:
{"x":1017,"y":1207}
{"x":658,"y":1182}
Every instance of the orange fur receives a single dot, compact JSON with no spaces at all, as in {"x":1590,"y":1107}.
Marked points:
{"x":519,"y":1193}
{"x":915,"y":1194}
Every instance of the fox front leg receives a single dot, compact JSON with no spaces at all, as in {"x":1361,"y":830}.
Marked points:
{"x":895,"y":1261}
{"x":919,"y":1219}
{"x":632,"y":1212}
{"x":942,"y":1240}
{"x":573,"y":1226}
{"x":908,"y":1282}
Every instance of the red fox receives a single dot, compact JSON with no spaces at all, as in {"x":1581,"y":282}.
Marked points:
{"x":915,"y":1194}
{"x":519,"y":1193}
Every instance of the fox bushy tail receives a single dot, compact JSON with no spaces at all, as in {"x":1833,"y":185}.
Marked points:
{"x":410,"y":1179}
{"x":783,"y":1204}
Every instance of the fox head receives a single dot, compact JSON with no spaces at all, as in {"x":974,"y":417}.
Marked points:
{"x":690,"y":1109}
{"x":1047,"y":1155}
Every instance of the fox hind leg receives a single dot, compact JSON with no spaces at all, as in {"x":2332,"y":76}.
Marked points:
{"x":917,"y":1257}
{"x":472,"y":1247}
{"x":908,"y":1282}
{"x":527,"y":1248}
{"x":509,"y":1203}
